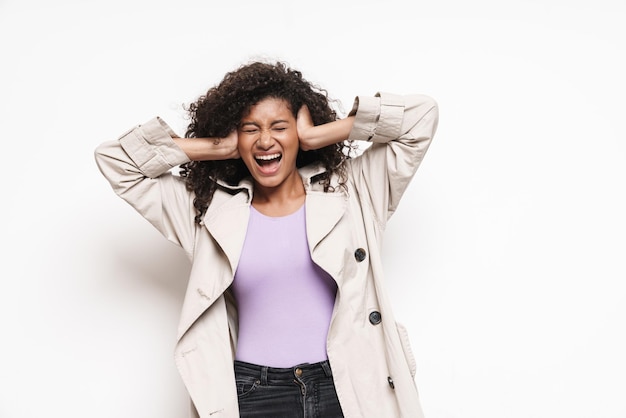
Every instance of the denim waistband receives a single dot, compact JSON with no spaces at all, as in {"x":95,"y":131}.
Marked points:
{"x":277,"y":374}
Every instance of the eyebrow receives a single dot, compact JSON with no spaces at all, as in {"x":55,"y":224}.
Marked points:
{"x":242,"y":124}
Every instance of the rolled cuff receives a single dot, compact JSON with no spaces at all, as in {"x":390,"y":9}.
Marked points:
{"x":378,"y":118}
{"x":152,"y":148}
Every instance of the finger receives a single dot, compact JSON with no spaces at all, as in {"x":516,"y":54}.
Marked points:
{"x":303,"y":112}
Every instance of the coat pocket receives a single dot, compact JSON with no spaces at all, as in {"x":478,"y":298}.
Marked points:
{"x":406,"y":347}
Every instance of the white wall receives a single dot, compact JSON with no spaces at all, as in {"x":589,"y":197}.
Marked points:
{"x":505,"y":259}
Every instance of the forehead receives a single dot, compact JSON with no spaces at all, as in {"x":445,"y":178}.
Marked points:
{"x":268,"y":108}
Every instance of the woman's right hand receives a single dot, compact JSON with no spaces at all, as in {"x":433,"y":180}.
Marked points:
{"x":205,"y":149}
{"x":230,"y":145}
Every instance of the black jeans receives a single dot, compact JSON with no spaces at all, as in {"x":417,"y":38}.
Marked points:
{"x":306,"y":391}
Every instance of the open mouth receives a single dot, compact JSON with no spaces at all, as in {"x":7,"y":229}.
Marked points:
{"x":269,"y":162}
{"x":268,"y":159}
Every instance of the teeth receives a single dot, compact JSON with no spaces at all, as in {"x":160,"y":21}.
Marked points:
{"x":267,"y":157}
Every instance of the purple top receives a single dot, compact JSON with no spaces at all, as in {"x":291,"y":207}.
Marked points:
{"x":285,"y":301}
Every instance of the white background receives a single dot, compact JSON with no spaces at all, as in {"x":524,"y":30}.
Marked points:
{"x":506,"y":258}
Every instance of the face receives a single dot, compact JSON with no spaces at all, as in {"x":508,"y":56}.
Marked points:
{"x":268,"y":144}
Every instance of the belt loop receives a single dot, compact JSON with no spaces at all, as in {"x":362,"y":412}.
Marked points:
{"x":264,"y":375}
{"x":326,"y":367}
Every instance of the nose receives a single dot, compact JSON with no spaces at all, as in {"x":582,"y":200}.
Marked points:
{"x":265,"y":140}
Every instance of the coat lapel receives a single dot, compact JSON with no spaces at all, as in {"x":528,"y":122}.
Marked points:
{"x":228,"y":224}
{"x":323,"y":211}
{"x":216,"y":260}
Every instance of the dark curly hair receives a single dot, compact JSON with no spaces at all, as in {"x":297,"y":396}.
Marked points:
{"x":220,"y":110}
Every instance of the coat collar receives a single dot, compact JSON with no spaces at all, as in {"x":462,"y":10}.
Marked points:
{"x":227,"y":216}
{"x":307,"y":173}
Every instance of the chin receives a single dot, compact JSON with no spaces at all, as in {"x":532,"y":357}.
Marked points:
{"x":267,"y":182}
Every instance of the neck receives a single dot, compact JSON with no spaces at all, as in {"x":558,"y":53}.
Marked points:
{"x":281,"y":200}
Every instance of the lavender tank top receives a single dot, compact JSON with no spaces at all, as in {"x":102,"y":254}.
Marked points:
{"x":285,"y":301}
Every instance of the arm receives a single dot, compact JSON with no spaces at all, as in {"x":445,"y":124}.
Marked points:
{"x":138,"y":165}
{"x":203,"y":149}
{"x":400,"y":129}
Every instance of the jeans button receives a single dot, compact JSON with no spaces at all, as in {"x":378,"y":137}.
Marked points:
{"x":298,"y":372}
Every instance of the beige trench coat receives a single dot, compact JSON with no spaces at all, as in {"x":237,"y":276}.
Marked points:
{"x":373,"y":367}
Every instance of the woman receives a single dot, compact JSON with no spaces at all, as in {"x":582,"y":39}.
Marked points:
{"x":285,"y":314}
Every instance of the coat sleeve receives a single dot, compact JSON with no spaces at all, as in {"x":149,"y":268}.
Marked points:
{"x":138,"y":167}
{"x":400,"y":129}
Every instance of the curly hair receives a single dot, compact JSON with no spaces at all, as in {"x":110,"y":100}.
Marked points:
{"x":219,"y":111}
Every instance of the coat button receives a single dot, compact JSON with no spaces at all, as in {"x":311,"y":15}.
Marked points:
{"x":390,"y":381}
{"x":375,"y":318}
{"x":360,"y":254}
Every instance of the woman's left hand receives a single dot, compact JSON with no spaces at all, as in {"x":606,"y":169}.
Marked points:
{"x":304,"y":123}
{"x":320,"y":136}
